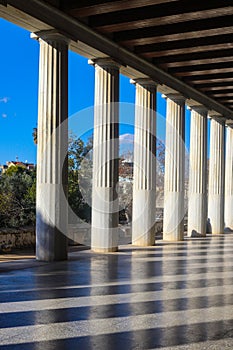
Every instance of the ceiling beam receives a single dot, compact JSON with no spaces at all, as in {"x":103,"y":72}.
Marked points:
{"x":194,"y":62}
{"x":196,"y":28}
{"x":218,"y":90}
{"x":213,"y":85}
{"x":204,"y":72}
{"x":195,"y":56}
{"x":207,"y":80}
{"x":176,"y":37}
{"x":90,"y":8}
{"x":202,"y":67}
{"x":223,"y":76}
{"x":184,"y":44}
{"x":160,"y":15}
{"x":222,"y":95}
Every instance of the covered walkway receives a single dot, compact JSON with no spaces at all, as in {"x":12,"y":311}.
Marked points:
{"x":172,"y":296}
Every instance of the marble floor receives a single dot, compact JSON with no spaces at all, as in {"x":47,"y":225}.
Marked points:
{"x":171,"y":296}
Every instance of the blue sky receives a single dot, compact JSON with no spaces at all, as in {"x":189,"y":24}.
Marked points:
{"x":19,"y":61}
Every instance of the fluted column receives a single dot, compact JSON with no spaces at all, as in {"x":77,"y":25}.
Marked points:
{"x":197,"y":207}
{"x":173,"y":223}
{"x":229,"y":179}
{"x":216,"y":176}
{"x":105,"y":208}
{"x":144,"y":184}
{"x":52,"y":169}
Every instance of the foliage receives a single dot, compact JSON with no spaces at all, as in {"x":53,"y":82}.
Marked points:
{"x":77,"y":151}
{"x":34,"y":135}
{"x":17,"y":197}
{"x":18,"y":185}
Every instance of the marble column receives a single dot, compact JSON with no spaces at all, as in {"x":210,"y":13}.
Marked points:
{"x":173,"y":219}
{"x":216,"y":176}
{"x":105,"y":206}
{"x":144,"y":183}
{"x":197,"y":206}
{"x":229,"y":179}
{"x":52,"y":167}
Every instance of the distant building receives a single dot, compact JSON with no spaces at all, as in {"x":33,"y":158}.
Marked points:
{"x":24,"y":165}
{"x":3,"y":168}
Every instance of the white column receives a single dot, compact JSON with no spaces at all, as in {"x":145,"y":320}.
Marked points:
{"x":197,"y":206}
{"x":216,"y":176}
{"x":105,"y":208}
{"x":229,"y":179}
{"x":52,"y":169}
{"x":144,"y":184}
{"x":173,"y":219}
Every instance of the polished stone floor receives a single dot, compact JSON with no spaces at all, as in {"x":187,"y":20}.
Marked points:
{"x":172,"y":296}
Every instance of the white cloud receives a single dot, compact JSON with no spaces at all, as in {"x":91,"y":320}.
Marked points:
{"x":126,"y":138}
{"x":4,"y":115}
{"x":4,"y":99}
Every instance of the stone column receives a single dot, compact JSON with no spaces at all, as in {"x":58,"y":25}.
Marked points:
{"x":216,"y":176}
{"x":197,"y":207}
{"x":229,"y":179}
{"x":52,"y":169}
{"x":144,"y":184}
{"x":173,"y":223}
{"x":105,"y":208}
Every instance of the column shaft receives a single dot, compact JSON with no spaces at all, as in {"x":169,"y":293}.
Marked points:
{"x":229,"y":180}
{"x":173,"y":225}
{"x":52,"y":169}
{"x":197,"y":208}
{"x":105,"y":208}
{"x":216,"y":176}
{"x":144,"y":185}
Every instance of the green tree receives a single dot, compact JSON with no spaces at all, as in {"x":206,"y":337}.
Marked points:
{"x":17,"y":197}
{"x":34,"y":135}
{"x":77,"y":151}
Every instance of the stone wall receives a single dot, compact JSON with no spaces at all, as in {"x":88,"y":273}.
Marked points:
{"x":77,"y":234}
{"x":17,"y":238}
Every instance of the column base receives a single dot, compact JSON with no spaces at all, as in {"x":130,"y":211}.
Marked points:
{"x":172,"y":239}
{"x":105,"y":250}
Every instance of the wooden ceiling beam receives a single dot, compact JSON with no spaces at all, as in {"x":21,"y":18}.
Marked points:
{"x":201,"y":67}
{"x":203,"y":72}
{"x":191,"y":62}
{"x":222,"y":95}
{"x":212,"y":81}
{"x":185,"y":44}
{"x":226,"y":102}
{"x":221,"y":76}
{"x":176,"y":37}
{"x":169,"y":32}
{"x":213,"y":85}
{"x":195,"y":56}
{"x":217,"y":89}
{"x":160,"y":15}
{"x":92,"y":8}
{"x":199,"y":50}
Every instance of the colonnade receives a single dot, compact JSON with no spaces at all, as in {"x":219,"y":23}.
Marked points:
{"x":52,"y":223}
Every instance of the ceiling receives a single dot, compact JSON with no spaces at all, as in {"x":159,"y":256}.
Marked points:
{"x":184,"y":45}
{"x":191,"y":40}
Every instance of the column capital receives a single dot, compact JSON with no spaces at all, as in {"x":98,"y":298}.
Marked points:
{"x":50,"y":36}
{"x":229,"y":123}
{"x":105,"y":62}
{"x":176,"y":97}
{"x":202,"y":110}
{"x":218,"y":118}
{"x":145,"y":82}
